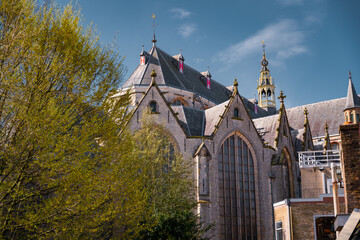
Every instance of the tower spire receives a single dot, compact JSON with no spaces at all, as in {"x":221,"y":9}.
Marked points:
{"x":265,"y":85}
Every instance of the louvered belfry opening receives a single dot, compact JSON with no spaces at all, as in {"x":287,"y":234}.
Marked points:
{"x":237,"y":201}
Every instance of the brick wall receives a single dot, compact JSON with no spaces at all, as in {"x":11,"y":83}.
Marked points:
{"x":350,"y":139}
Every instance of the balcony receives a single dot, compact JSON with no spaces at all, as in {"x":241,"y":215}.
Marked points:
{"x":319,"y":159}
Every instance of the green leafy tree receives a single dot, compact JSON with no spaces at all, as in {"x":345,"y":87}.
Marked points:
{"x":64,"y":170}
{"x":168,"y":183}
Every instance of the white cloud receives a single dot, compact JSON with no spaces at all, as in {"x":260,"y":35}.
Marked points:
{"x":180,"y":13}
{"x":185,"y":30}
{"x":283,"y":39}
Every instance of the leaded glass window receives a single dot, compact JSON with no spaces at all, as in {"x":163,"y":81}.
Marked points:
{"x":237,"y":190}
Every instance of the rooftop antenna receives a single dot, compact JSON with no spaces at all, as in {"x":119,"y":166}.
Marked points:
{"x":263,"y":46}
{"x":154,"y":26}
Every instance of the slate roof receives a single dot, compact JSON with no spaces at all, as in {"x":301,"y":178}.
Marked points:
{"x":266,"y":127}
{"x":191,"y":119}
{"x":166,"y":68}
{"x":330,"y":112}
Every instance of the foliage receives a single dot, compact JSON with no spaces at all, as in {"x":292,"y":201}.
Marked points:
{"x":56,"y":181}
{"x":177,"y":225}
{"x":65,"y":170}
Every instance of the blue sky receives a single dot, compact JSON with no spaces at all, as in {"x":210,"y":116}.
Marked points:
{"x":310,"y":44}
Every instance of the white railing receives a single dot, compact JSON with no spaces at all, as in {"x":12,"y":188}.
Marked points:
{"x":319,"y":159}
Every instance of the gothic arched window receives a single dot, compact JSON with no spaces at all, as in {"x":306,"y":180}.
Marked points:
{"x":236,"y":190}
{"x":236,"y":112}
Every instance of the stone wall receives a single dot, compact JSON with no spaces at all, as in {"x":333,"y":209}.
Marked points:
{"x":350,"y":139}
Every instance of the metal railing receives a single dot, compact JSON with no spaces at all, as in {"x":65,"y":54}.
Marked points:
{"x":319,"y":159}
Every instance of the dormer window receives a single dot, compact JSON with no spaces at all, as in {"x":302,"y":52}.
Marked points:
{"x":153,"y":107}
{"x":236,"y":112}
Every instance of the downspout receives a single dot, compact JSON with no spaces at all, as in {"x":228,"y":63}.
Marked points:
{"x":271,"y":177}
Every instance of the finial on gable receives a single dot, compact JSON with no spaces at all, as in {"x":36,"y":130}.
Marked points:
{"x":153,"y":74}
{"x":235,"y":86}
{"x":281,"y":97}
{"x":306,"y":112}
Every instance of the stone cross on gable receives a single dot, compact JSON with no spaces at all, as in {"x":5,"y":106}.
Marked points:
{"x":281,"y":97}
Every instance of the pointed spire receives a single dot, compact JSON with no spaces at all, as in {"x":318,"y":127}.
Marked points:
{"x":352,"y":99}
{"x":327,"y":138}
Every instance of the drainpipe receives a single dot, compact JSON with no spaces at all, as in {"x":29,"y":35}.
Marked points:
{"x":335,"y":189}
{"x":335,"y":193}
{"x":271,"y":178}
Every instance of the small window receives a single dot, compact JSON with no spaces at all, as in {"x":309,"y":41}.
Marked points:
{"x":351,"y":117}
{"x":153,"y":107}
{"x":236,"y":112}
{"x":334,"y":146}
{"x":357,"y":117}
{"x":279,"y":230}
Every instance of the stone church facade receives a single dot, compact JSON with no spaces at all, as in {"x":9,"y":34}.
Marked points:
{"x":244,"y":150}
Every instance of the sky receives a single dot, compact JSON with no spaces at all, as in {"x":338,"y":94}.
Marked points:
{"x":310,"y":44}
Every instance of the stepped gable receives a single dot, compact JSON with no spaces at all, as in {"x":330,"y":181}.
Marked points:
{"x":168,"y":74}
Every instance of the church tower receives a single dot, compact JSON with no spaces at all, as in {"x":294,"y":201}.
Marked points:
{"x":266,"y":86}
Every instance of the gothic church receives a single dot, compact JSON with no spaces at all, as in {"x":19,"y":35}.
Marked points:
{"x":244,"y":150}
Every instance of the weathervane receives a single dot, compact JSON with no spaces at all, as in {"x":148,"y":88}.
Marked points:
{"x":154,"y":26}
{"x":263,"y":46}
{"x":349,"y":74}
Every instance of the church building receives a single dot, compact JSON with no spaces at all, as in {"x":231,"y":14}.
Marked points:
{"x":244,"y":150}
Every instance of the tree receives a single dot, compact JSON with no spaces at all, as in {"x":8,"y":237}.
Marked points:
{"x":64,"y":171}
{"x":168,"y":183}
